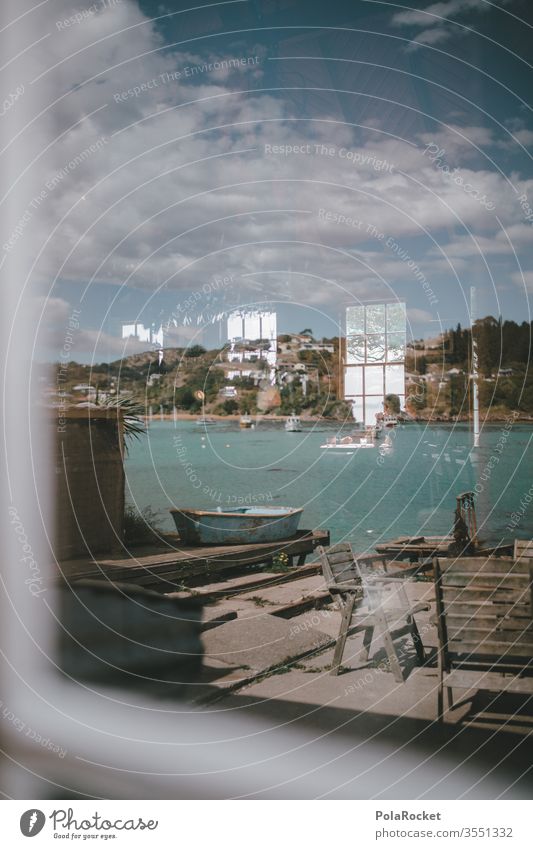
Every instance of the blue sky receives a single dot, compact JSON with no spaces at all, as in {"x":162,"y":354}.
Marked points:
{"x":313,"y":155}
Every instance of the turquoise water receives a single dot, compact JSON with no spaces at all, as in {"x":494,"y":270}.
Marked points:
{"x":362,"y":497}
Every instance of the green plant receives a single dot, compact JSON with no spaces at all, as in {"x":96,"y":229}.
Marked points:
{"x":133,"y":424}
{"x":280,"y":563}
{"x":141,"y":527}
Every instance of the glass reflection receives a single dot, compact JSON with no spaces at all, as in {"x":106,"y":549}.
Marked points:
{"x":394,"y":380}
{"x":374,"y":380}
{"x":355,"y":320}
{"x":375,"y":318}
{"x":396,"y":347}
{"x":353,"y":381}
{"x":375,"y":348}
{"x":355,"y":349}
{"x":396,"y":320}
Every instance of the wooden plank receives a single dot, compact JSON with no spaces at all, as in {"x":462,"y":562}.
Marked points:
{"x":523,"y":548}
{"x":260,"y":580}
{"x":192,"y":561}
{"x":489,"y":580}
{"x":488,"y":609}
{"x":471,"y":634}
{"x":488,"y":594}
{"x":503,"y":623}
{"x":493,"y":648}
{"x":477,"y":565}
{"x":493,"y":681}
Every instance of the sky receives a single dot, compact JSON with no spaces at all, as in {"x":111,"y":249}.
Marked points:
{"x":296,"y":155}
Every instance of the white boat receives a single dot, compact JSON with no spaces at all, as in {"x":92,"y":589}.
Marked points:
{"x":205,"y":421}
{"x":293,"y":424}
{"x":348,"y":443}
{"x":245,"y":421}
{"x":390,"y":421}
{"x":386,"y":446}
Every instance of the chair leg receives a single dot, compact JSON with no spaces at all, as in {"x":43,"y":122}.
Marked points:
{"x":449,"y":691}
{"x":367,"y":642}
{"x":389,"y":646}
{"x":440,"y":702}
{"x":343,"y":633}
{"x":419,"y":648}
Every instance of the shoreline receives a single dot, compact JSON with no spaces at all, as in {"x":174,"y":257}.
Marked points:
{"x":264,"y":417}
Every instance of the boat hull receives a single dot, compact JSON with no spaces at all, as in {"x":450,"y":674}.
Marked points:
{"x":240,"y":527}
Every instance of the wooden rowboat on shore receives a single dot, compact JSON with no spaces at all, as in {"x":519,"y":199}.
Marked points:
{"x":240,"y":525}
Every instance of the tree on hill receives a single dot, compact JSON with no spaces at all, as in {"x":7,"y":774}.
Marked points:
{"x":195,"y":351}
{"x":230,"y":406}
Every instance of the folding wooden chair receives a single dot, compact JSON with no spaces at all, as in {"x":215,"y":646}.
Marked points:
{"x":363,"y":591}
{"x":485,"y":625}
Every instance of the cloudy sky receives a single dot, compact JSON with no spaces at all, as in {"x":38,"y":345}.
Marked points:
{"x":297,"y":154}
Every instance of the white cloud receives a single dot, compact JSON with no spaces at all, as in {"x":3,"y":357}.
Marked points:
{"x":416,"y":315}
{"x":183,"y":187}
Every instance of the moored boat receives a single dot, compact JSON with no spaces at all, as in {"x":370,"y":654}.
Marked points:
{"x":245,"y":421}
{"x":205,"y":421}
{"x":348,"y":443}
{"x":237,"y":526}
{"x":293,"y":424}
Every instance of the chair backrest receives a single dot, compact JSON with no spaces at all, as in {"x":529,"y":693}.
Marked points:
{"x":370,"y":565}
{"x":338,"y":564}
{"x":483,"y":608}
{"x":523,"y":549}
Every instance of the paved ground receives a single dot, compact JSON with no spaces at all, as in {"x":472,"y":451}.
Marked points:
{"x":257,"y":641}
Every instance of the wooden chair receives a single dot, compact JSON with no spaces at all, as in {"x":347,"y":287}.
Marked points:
{"x":362,"y":591}
{"x":523,"y":550}
{"x":485,"y":625}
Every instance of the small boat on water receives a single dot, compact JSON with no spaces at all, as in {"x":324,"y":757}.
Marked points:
{"x":245,"y":421}
{"x":390,"y":421}
{"x":238,"y":525}
{"x":205,"y":421}
{"x":348,"y":443}
{"x":293,"y":424}
{"x":386,"y":446}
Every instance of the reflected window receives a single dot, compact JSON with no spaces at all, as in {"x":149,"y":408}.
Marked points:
{"x":375,"y":318}
{"x":394,"y":380}
{"x":353,"y":381}
{"x":355,"y":349}
{"x":396,"y":347}
{"x":375,"y":348}
{"x":373,"y":406}
{"x":355,"y":320}
{"x":357,"y":409}
{"x":374,"y":380}
{"x":396,"y":319}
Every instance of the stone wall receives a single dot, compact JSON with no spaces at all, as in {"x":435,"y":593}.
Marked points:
{"x":89,"y":483}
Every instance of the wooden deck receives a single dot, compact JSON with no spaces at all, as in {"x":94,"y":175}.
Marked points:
{"x":423,"y":548}
{"x":167,"y":570}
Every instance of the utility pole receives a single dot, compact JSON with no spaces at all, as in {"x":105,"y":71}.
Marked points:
{"x":474,"y":374}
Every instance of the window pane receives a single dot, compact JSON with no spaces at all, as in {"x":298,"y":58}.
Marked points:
{"x":374,"y":380}
{"x":357,"y":408}
{"x":375,"y":348}
{"x":355,"y":320}
{"x":394,"y":380}
{"x":396,"y":347}
{"x":353,"y":381}
{"x":373,"y":405}
{"x":355,"y":349}
{"x":375,"y":318}
{"x":396,"y":317}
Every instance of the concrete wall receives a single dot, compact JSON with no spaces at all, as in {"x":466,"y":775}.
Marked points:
{"x":89,"y":483}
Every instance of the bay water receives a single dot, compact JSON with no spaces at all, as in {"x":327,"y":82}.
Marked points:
{"x":363,"y":497}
